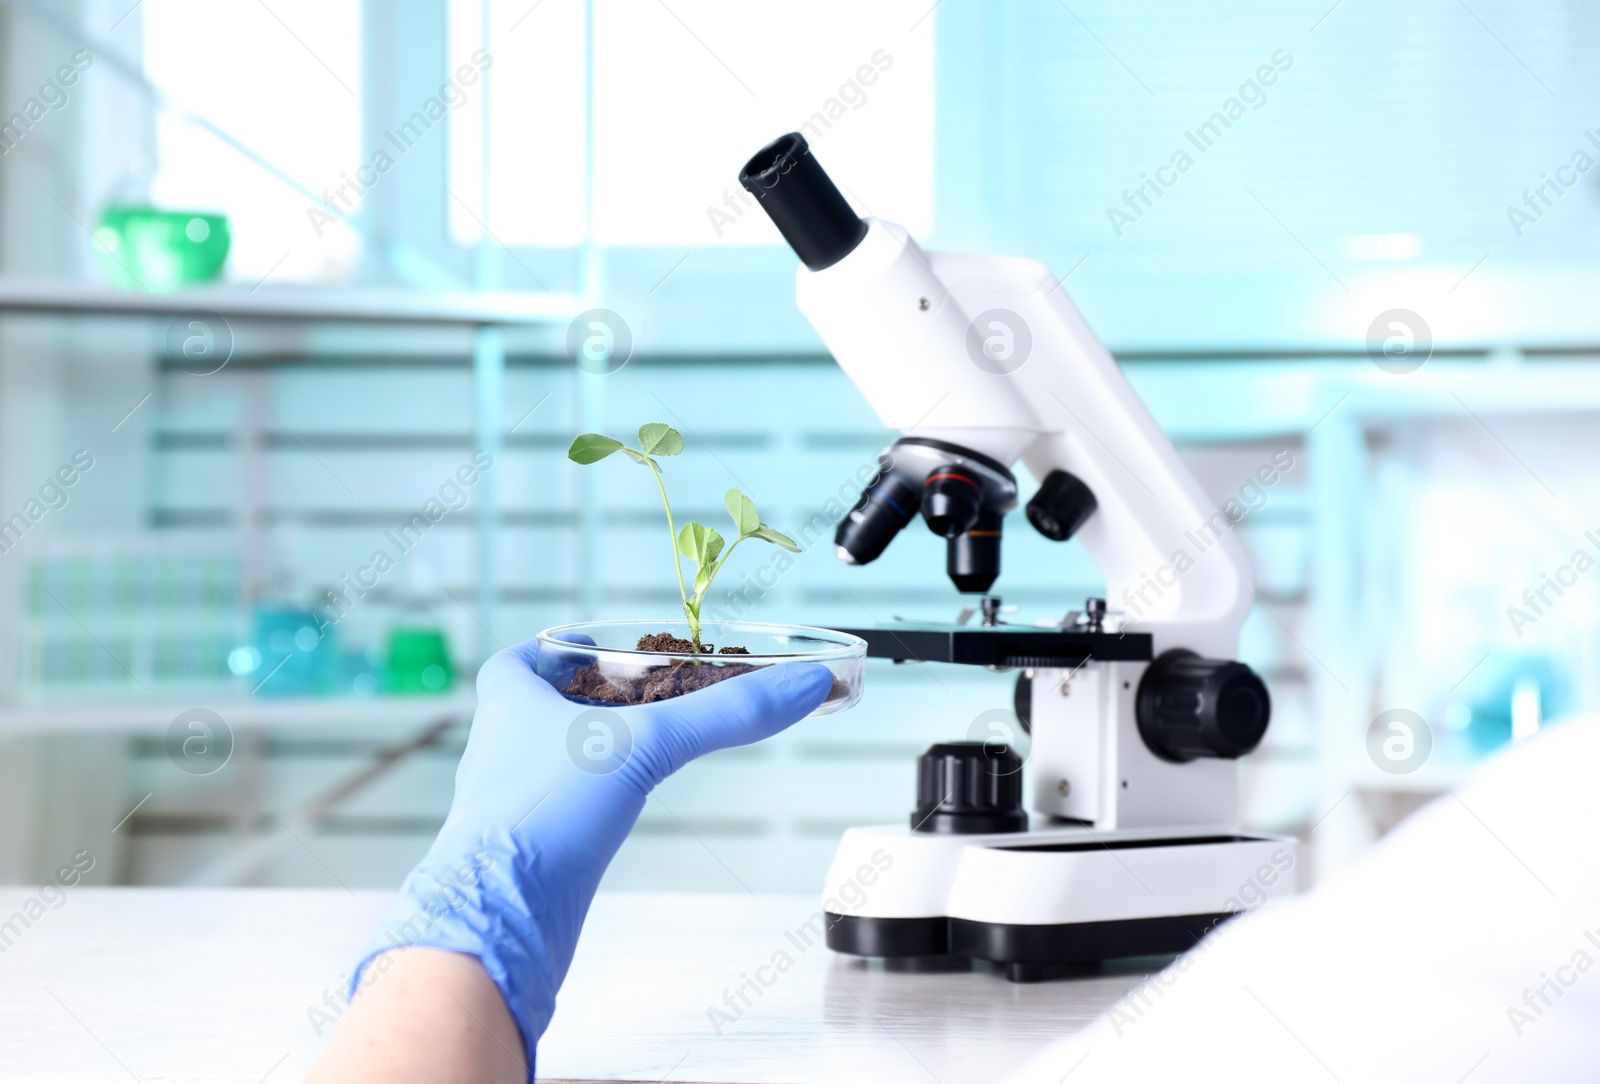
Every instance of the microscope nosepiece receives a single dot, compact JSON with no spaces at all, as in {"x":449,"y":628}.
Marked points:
{"x":962,"y":494}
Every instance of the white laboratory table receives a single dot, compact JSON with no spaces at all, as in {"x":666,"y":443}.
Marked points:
{"x":190,"y":985}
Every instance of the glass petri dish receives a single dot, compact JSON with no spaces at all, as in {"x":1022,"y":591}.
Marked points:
{"x":600,"y":662}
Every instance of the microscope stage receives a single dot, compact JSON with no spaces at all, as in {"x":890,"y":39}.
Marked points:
{"x":1003,"y":645}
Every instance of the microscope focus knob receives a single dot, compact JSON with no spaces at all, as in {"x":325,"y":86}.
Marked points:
{"x":969,"y":788}
{"x":1191,"y":707}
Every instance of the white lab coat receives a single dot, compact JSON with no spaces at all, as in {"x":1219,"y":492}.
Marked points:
{"x":1464,"y":948}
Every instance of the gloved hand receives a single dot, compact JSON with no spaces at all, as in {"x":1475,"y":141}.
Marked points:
{"x":545,"y":794}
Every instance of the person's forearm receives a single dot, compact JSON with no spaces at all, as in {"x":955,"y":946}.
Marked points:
{"x":429,"y":1017}
{"x":490,"y":916}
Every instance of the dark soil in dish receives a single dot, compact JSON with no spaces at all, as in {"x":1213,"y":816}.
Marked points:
{"x":677,"y":677}
{"x":676,"y":645}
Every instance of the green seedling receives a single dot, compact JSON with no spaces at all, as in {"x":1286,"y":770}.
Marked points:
{"x":695,"y":541}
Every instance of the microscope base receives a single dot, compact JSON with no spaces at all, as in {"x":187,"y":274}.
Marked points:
{"x":1030,"y":952}
{"x":1051,"y":899}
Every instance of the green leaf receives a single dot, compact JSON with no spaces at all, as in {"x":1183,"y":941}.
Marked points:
{"x":743,"y":511}
{"x":637,"y":458}
{"x":592,"y":448}
{"x":702,"y":579}
{"x":699,"y":543}
{"x":658,"y":438}
{"x":777,"y":538}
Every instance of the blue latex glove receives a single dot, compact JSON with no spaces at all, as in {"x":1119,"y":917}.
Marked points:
{"x":546,"y":792}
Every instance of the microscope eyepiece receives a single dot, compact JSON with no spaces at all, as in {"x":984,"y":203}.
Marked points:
{"x":803,"y":202}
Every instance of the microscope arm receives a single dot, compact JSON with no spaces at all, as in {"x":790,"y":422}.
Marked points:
{"x":982,"y":362}
{"x":910,"y":328}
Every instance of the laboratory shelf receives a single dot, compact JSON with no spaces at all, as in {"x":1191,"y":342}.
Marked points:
{"x":293,"y":303}
{"x":136,"y":714}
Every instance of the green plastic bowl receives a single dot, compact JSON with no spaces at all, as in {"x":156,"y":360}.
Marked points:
{"x":148,"y":248}
{"x":419,"y":662}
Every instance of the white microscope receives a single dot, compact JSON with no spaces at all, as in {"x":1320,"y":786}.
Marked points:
{"x":1134,"y":848}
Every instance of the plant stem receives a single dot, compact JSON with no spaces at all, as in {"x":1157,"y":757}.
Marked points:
{"x":693,"y":608}
{"x":716,"y":567}
{"x":677,"y":560}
